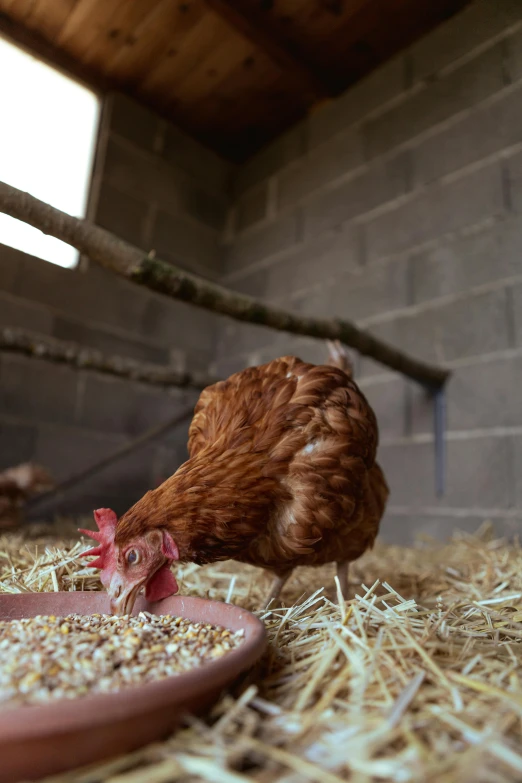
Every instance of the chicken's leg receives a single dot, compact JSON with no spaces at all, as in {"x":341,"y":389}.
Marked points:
{"x":280,"y":579}
{"x":342,"y":575}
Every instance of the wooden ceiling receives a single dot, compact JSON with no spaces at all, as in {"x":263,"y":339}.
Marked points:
{"x":232,"y":73}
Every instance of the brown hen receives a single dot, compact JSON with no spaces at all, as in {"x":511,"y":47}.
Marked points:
{"x":282,"y":473}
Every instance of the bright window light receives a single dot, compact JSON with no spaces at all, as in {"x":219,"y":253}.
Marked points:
{"x":48,"y":128}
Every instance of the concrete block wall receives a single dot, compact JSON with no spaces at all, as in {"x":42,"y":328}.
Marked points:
{"x":400,"y":206}
{"x":159,"y":190}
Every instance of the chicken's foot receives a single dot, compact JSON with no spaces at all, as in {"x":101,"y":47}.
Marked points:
{"x":279,"y":582}
{"x":342,"y":575}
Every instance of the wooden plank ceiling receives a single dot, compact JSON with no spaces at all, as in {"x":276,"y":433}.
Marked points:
{"x":232,"y":73}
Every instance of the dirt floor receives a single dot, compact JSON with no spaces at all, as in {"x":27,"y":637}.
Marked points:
{"x":416,"y":678}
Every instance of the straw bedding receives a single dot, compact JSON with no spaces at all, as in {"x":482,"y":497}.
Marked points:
{"x":416,"y":678}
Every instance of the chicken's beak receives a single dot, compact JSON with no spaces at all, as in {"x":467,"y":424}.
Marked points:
{"x":122,"y":595}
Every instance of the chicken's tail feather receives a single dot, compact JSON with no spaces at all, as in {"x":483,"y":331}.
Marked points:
{"x":338,"y":357}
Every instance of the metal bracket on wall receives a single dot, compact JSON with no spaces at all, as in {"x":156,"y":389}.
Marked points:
{"x":439,"y":421}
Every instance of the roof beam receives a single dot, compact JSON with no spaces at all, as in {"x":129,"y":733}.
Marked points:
{"x":252,"y":24}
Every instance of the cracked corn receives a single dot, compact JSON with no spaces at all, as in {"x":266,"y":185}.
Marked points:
{"x":46,"y":658}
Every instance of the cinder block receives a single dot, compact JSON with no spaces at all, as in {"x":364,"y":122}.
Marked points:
{"x":194,"y":247}
{"x":383,"y":182}
{"x":421,"y":335}
{"x":147,"y":178}
{"x":406,"y":529}
{"x":473,"y":326}
{"x":469,"y":261}
{"x":135,"y":122}
{"x":478,"y":23}
{"x":436,"y":211}
{"x":110,"y":344}
{"x":305,"y":348}
{"x":320,"y":259}
{"x":197,"y":359}
{"x":514,"y":168}
{"x":316,"y":301}
{"x":252,"y":207}
{"x":114,"y":405}
{"x":516,"y":446}
{"x":482,"y":133}
{"x":110,"y":299}
{"x":80,"y":502}
{"x":209,"y":208}
{"x":372,"y":290}
{"x":122,"y":214}
{"x":377,"y":89}
{"x":477,"y":476}
{"x":17,"y":443}
{"x":141,"y":175}
{"x":321,"y":166}
{"x":478,"y":396}
{"x":163,"y":465}
{"x":388,"y":401}
{"x":95,"y":295}
{"x":461,"y":329}
{"x":176,"y":439}
{"x":224,"y":366}
{"x":202,"y":164}
{"x":150,"y":178}
{"x":130,"y":477}
{"x":389,"y":333}
{"x":240,"y":339}
{"x":514,"y":52}
{"x":48,"y":284}
{"x":479,"y":473}
{"x":10,"y":260}
{"x":441,"y":99}
{"x":262,"y":242}
{"x":254,"y":283}
{"x":516,"y":305}
{"x":37,"y":390}
{"x":176,"y":324}
{"x":65,"y":451}
{"x":16,"y":312}
{"x":280,"y":153}
{"x":409,"y":471}
{"x":420,"y":407}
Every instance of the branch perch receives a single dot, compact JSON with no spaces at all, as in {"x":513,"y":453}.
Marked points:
{"x":112,"y":253}
{"x":61,"y":352}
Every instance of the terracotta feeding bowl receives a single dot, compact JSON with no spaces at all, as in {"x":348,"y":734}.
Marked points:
{"x":41,"y":740}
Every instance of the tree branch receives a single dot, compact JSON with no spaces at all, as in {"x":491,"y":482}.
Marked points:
{"x":129,"y":262}
{"x":52,"y":350}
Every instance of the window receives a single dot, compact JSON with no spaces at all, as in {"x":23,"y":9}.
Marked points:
{"x":48,"y":129}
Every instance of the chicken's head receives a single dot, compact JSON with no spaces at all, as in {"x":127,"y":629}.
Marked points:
{"x":143,"y":561}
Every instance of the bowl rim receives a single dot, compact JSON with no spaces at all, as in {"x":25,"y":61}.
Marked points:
{"x":84,"y":712}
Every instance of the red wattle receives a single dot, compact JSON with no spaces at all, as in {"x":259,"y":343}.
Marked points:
{"x":161,"y":585}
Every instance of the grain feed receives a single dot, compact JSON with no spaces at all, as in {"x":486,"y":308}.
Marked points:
{"x":45,"y":658}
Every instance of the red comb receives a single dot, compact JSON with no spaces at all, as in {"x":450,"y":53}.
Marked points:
{"x":106,"y":520}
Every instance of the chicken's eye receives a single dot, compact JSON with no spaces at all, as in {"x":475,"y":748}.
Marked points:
{"x":132,"y":556}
